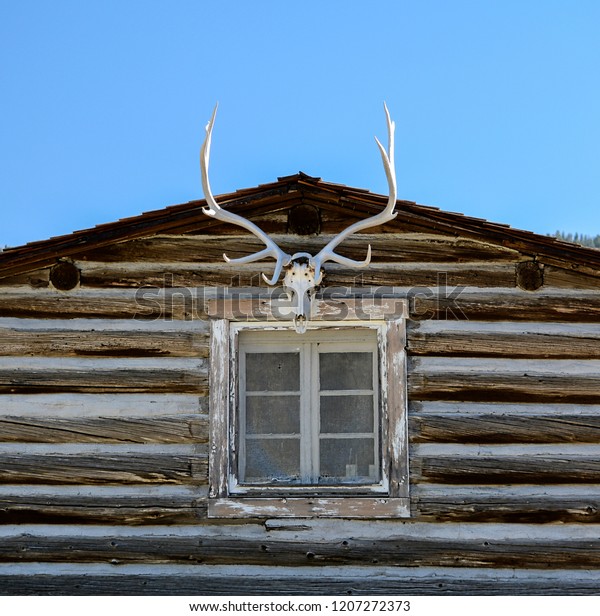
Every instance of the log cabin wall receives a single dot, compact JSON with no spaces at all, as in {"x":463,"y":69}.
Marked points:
{"x":104,"y":424}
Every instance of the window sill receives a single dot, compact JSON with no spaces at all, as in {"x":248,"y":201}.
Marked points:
{"x":322,"y":507}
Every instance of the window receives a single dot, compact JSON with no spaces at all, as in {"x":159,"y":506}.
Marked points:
{"x":308,"y":409}
{"x":308,"y":424}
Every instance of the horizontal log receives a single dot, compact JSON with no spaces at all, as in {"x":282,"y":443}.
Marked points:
{"x":105,"y":405}
{"x":498,"y":464}
{"x":504,"y":339}
{"x":127,"y":275}
{"x":199,"y":328}
{"x":504,"y":380}
{"x":70,"y":343}
{"x":157,"y":429}
{"x":250,"y":580}
{"x":143,"y":304}
{"x":516,"y":504}
{"x":462,"y":304}
{"x":573,"y":546}
{"x":90,"y":375}
{"x":569,"y":278}
{"x":51,"y":465}
{"x":438,"y":301}
{"x":412,"y":247}
{"x":465,"y":422}
{"x":130,"y":505}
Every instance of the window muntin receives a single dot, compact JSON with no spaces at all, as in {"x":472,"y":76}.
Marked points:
{"x":308,"y":410}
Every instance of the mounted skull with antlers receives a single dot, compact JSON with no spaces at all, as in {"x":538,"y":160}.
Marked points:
{"x":303,"y":272}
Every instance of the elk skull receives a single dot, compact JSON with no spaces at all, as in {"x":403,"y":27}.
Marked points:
{"x":301,"y":281}
{"x":303,"y":272}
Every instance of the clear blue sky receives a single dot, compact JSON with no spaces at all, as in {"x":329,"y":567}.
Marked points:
{"x":103,"y":105}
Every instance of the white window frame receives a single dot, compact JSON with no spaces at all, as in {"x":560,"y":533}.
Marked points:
{"x":389,"y":498}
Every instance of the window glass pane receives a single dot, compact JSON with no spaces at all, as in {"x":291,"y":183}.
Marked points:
{"x":348,"y":458}
{"x":346,"y":370}
{"x":272,"y":414}
{"x":272,"y":459}
{"x":346,"y":414}
{"x":272,"y":371}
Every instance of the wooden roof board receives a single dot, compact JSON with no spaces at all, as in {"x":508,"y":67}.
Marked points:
{"x":188,"y":218}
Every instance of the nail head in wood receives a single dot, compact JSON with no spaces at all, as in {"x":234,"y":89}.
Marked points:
{"x":64,"y":276}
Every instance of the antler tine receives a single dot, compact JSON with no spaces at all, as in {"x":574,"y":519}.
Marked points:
{"x":327,"y":253}
{"x":216,"y":211}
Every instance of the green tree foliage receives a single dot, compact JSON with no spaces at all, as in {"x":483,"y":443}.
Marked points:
{"x":592,"y":241}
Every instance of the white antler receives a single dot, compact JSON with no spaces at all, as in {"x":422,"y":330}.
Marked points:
{"x":303,"y":272}
{"x":327,"y":253}
{"x":213,"y":209}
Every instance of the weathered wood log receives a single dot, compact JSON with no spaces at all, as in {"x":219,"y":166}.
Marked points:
{"x":133,"y":505}
{"x":87,"y":375}
{"x":461,"y":304}
{"x":84,"y":464}
{"x":502,"y":464}
{"x":183,"y":275}
{"x":573,"y":546}
{"x":157,"y":429}
{"x":231,"y":580}
{"x":102,"y":343}
{"x":504,"y":339}
{"x":517,"y":504}
{"x":438,"y":302}
{"x":129,"y":505}
{"x":465,"y":422}
{"x":142,"y":303}
{"x":504,"y":380}
{"x":569,"y":278}
{"x":36,"y":279}
{"x":409,"y":247}
{"x":102,"y":405}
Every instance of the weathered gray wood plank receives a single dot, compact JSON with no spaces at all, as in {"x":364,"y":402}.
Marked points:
{"x":136,"y":275}
{"x":416,"y":247}
{"x":220,"y":385}
{"x":515,"y":340}
{"x":468,"y":422}
{"x":397,"y":408}
{"x":206,"y":580}
{"x":157,"y":429}
{"x":128,"y":505}
{"x":70,"y":343}
{"x":87,"y":375}
{"x":142,"y":304}
{"x":498,"y":503}
{"x":573,"y":546}
{"x":102,"y":405}
{"x":456,"y":303}
{"x":42,"y":464}
{"x":435,"y":301}
{"x":568,"y":278}
{"x":135,"y":505}
{"x":506,"y":380}
{"x":503,"y":464}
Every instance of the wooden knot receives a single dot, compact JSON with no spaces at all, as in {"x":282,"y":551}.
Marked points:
{"x":530,"y":275}
{"x":64,"y":276}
